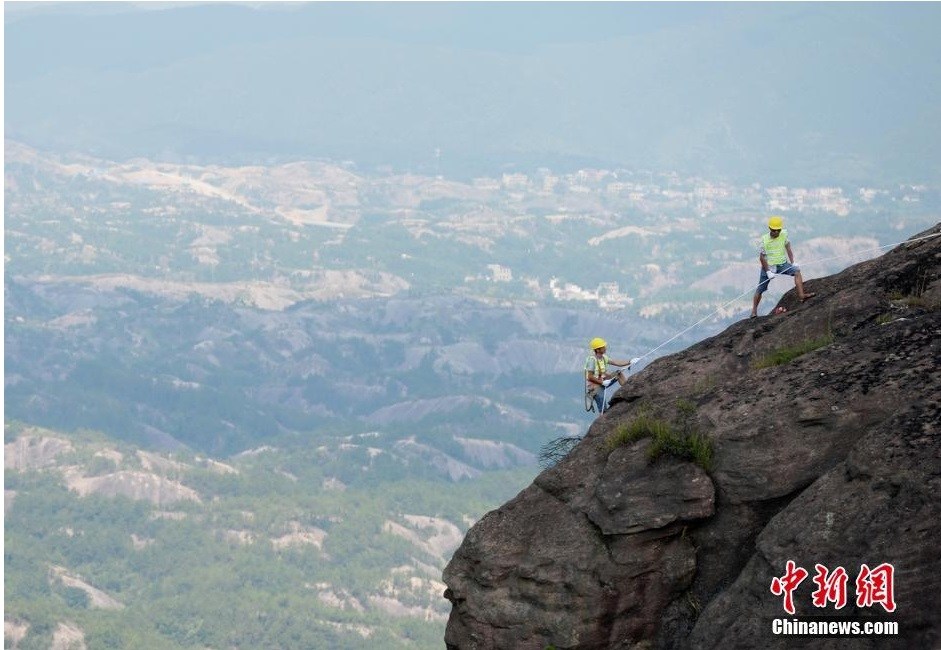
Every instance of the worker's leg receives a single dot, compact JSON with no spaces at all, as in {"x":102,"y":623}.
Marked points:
{"x":799,"y":283}
{"x":763,"y":281}
{"x":793,"y":269}
{"x":754,"y":304}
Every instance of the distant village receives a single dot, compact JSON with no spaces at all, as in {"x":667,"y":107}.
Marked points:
{"x":702,"y":195}
{"x":275,"y":235}
{"x":652,"y":193}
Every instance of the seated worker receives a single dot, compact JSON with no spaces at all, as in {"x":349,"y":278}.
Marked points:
{"x":597,"y":377}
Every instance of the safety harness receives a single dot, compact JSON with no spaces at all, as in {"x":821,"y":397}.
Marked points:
{"x":601,"y":367}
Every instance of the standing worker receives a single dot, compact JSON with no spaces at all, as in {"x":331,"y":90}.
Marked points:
{"x":597,"y":377}
{"x":776,"y":258}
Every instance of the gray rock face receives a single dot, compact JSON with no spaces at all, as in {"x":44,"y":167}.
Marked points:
{"x":831,"y":458}
{"x":630,"y":498}
{"x":880,"y":505}
{"x":523,"y":595}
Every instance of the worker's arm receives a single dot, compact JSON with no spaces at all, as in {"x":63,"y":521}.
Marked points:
{"x":790,"y":254}
{"x":763,"y":259}
{"x":597,"y":381}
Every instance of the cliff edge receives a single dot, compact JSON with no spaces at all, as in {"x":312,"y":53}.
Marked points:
{"x":824,"y":427}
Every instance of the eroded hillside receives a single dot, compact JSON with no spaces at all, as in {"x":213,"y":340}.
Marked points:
{"x":108,"y":544}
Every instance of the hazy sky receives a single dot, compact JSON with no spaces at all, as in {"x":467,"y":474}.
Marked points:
{"x":826,"y":91}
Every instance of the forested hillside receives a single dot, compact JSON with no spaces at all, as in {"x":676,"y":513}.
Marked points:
{"x":136,"y":549}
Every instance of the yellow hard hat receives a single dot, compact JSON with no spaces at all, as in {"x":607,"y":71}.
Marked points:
{"x":597,"y":343}
{"x":776,"y":222}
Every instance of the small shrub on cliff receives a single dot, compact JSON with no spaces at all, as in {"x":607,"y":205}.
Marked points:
{"x":697,"y":448}
{"x":678,"y":439}
{"x":642,"y":426}
{"x":555,"y":450}
{"x":914,"y":296}
{"x":787,"y":354}
{"x":917,"y":302}
{"x":704,"y":385}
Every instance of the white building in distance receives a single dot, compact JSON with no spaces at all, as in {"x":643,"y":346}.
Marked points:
{"x":499,"y":273}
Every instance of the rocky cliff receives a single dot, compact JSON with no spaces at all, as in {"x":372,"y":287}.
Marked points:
{"x":824,"y":427}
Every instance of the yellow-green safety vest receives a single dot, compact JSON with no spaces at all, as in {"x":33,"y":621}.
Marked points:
{"x":773,"y":248}
{"x":596,"y":367}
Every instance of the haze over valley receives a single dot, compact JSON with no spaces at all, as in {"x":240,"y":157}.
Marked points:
{"x":295,"y":294}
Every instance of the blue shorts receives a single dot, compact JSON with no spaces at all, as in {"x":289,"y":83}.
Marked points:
{"x":781,"y":269}
{"x":598,"y":398}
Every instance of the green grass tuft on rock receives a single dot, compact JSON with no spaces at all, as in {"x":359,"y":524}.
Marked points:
{"x":780,"y":356}
{"x":679,"y":440}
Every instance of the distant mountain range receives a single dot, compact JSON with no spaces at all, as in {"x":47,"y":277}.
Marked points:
{"x":792,"y":93}
{"x":219,"y":308}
